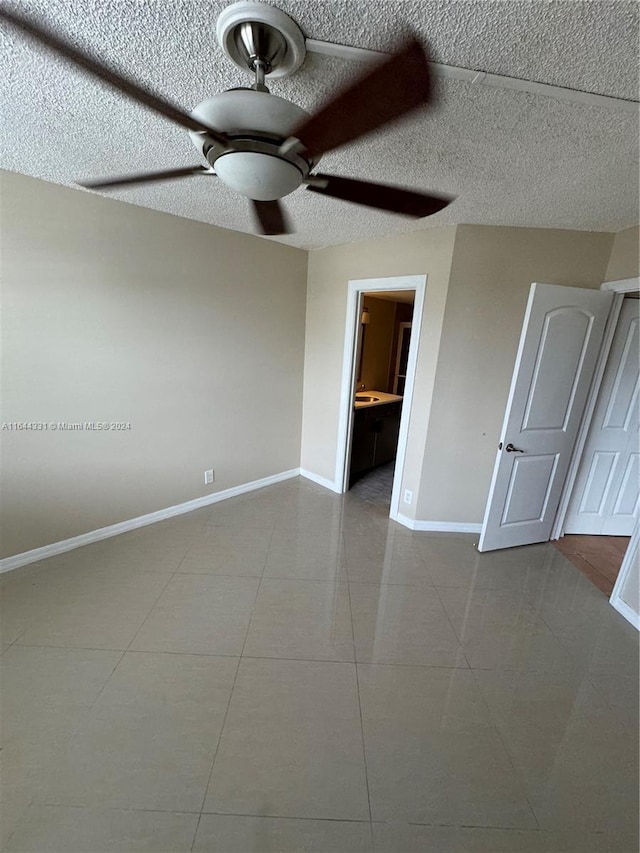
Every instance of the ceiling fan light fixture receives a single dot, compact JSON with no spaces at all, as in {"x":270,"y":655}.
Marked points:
{"x":263,"y":146}
{"x":262,"y":177}
{"x":245,"y":110}
{"x":257,"y":123}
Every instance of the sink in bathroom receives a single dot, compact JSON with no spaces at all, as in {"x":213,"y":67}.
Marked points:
{"x":365,"y":398}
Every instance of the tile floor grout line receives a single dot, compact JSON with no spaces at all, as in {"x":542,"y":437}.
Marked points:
{"x":216,"y":575}
{"x":494,"y":723}
{"x":114,"y":808}
{"x":255,"y":601}
{"x":219,"y":740}
{"x":11,"y":645}
{"x":351,"y":662}
{"x":364,"y":749}
{"x":17,"y":642}
{"x":245,"y":657}
{"x":413,"y":664}
{"x":235,"y":678}
{"x":184,"y":557}
{"x":490,"y":715}
{"x":452,"y":626}
{"x":18,"y":825}
{"x":153,"y":606}
{"x":195,"y":832}
{"x":481,"y":826}
{"x":331,"y":581}
{"x":293,"y":817}
{"x":70,"y":648}
{"x":110,"y":676}
{"x":575,"y":663}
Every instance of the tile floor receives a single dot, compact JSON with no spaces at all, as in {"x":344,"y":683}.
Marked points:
{"x":291,"y":671}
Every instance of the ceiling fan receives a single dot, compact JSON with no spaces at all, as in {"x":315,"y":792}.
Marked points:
{"x":264,"y":146}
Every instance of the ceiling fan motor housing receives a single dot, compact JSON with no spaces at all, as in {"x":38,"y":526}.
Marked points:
{"x":258,"y":123}
{"x":249,"y":30}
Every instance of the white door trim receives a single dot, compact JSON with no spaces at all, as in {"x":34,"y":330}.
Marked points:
{"x":623,"y":285}
{"x":356,"y":288}
{"x":627,"y":285}
{"x":629,"y":564}
{"x":402,"y":328}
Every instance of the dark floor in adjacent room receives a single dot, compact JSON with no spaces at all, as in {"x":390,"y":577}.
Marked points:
{"x":376,"y":486}
{"x":597,"y":557}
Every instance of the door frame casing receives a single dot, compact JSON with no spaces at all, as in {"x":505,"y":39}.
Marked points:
{"x":619,"y":288}
{"x":402,"y":328}
{"x":356,"y":288}
{"x":629,"y":564}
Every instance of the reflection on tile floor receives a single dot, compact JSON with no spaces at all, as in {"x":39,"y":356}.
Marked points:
{"x":291,"y":671}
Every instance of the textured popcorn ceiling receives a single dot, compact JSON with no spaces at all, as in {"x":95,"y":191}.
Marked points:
{"x":511,"y":158}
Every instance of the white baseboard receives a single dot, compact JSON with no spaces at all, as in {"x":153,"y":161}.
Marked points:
{"x":439,"y":526}
{"x":37,"y":554}
{"x":321,"y":481}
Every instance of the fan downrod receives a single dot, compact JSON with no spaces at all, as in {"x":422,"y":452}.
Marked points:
{"x":261,"y":39}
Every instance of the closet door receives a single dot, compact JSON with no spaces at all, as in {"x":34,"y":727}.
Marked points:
{"x":605,"y":497}
{"x":559,"y":346}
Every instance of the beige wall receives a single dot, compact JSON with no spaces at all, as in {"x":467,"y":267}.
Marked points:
{"x":624,"y":261}
{"x":112,"y":312}
{"x":330,"y":270}
{"x":189,"y":332}
{"x":377,"y":343}
{"x":491,"y":274}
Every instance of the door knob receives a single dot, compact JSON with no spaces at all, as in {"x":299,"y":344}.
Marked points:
{"x":511,"y":449}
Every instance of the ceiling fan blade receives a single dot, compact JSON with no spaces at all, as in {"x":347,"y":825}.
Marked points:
{"x":145,"y":178}
{"x":271,"y":218}
{"x":382,"y":196}
{"x":118,"y":81}
{"x":394,"y":88}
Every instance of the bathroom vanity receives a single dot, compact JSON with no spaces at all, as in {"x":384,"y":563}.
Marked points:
{"x":376,"y":423}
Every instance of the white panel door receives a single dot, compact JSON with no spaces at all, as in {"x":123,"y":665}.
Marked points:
{"x":559,"y":346}
{"x":605,"y":497}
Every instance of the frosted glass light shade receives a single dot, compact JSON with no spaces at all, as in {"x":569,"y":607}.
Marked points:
{"x":245,"y":114}
{"x":241,"y":110}
{"x":258,"y":176}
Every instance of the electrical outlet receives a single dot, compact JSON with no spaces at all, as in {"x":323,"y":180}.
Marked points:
{"x":208,"y":477}
{"x":408,"y":496}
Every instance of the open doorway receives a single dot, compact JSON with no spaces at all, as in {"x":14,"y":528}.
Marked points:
{"x":381,"y":445}
{"x":381,"y":372}
{"x":534,"y":498}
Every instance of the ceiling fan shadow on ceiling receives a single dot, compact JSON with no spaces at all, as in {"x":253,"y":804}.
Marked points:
{"x":263,"y":146}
